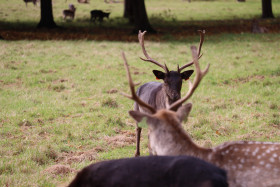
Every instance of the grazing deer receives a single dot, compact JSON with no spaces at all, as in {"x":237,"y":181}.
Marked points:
{"x":161,"y":95}
{"x":248,"y":163}
{"x":83,"y":1}
{"x":70,"y":12}
{"x":30,"y":1}
{"x":98,"y":14}
{"x":152,"y":171}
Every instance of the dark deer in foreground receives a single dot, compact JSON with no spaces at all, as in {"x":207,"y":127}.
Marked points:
{"x":248,"y":163}
{"x":70,"y":12}
{"x":161,"y":95}
{"x":152,"y":171}
{"x":30,"y":1}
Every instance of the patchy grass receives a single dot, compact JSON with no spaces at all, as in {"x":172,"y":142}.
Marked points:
{"x":61,"y":108}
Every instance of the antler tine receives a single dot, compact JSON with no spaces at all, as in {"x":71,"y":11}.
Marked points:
{"x":149,"y":59}
{"x":202,"y":33}
{"x":198,"y":77}
{"x":133,"y":95}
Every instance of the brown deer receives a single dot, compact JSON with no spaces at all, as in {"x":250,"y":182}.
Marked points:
{"x":161,"y":95}
{"x":70,"y":12}
{"x":248,"y":163}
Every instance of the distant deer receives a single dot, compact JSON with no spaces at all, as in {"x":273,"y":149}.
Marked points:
{"x":30,"y":1}
{"x":99,"y":15}
{"x":161,"y":95}
{"x":70,"y":12}
{"x":83,"y":1}
{"x":152,"y":171}
{"x":248,"y":163}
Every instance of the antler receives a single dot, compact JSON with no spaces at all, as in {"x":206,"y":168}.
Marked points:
{"x":149,"y":59}
{"x":133,"y":95}
{"x":202,"y":33}
{"x":198,"y":77}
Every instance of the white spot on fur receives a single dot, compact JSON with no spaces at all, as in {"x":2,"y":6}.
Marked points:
{"x":259,"y":157}
{"x":268,"y":166}
{"x":242,"y":160}
{"x":271,"y":159}
{"x":274,"y":155}
{"x":261,"y":162}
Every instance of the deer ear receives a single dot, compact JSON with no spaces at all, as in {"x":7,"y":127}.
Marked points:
{"x":186,"y":74}
{"x":138,"y":116}
{"x":159,"y":74}
{"x":183,"y":111}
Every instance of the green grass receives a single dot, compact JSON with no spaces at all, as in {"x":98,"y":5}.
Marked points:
{"x":15,"y":15}
{"x":55,"y":102}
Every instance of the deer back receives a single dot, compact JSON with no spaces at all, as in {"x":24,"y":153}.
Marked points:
{"x":152,"y":171}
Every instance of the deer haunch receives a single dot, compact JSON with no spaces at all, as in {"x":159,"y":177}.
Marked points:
{"x":152,"y":171}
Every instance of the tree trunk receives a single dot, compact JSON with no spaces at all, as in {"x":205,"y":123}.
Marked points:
{"x":267,"y":9}
{"x":135,"y":11}
{"x":128,"y":10}
{"x":141,"y":21}
{"x":46,"y":15}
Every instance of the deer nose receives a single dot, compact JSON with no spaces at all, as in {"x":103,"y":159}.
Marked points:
{"x":175,"y":95}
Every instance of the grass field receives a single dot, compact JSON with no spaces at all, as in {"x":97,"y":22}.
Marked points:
{"x":15,"y":14}
{"x":61,"y":107}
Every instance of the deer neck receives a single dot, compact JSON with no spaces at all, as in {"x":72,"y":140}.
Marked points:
{"x":167,"y":100}
{"x":171,"y":139}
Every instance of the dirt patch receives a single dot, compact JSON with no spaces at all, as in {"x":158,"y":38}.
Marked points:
{"x":124,"y":138}
{"x":248,"y":79}
{"x":243,"y":80}
{"x":59,"y":170}
{"x":73,"y":157}
{"x":112,"y":91}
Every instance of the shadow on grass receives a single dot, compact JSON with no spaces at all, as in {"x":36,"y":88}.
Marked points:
{"x":118,"y":29}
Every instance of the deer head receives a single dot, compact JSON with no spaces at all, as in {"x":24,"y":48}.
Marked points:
{"x":172,"y":79}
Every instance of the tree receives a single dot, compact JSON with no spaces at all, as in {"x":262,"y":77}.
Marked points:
{"x":135,"y":11}
{"x":267,"y":9}
{"x":47,"y":20}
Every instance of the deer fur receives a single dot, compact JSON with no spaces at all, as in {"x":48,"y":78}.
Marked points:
{"x":152,"y":171}
{"x":70,"y":12}
{"x":248,"y":163}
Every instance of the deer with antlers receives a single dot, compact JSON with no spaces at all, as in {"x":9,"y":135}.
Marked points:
{"x":248,"y":163}
{"x":161,"y":95}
